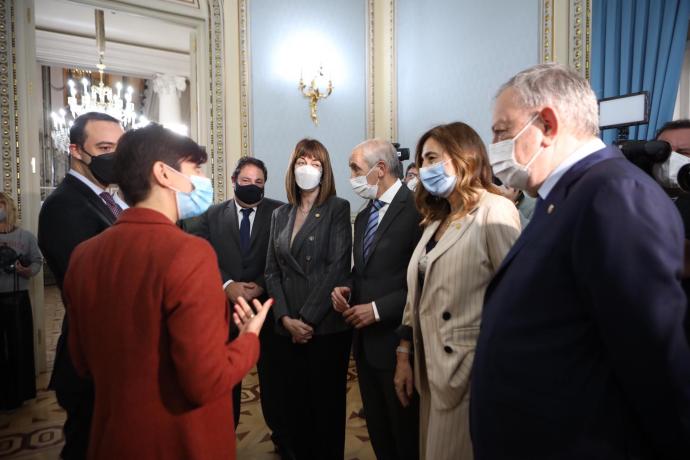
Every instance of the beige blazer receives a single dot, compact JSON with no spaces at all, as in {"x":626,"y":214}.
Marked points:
{"x":445,"y":315}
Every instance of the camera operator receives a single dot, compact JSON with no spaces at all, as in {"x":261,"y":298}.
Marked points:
{"x":677,"y":133}
{"x":20,"y":259}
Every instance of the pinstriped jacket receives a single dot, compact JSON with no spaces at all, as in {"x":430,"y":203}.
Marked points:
{"x":445,"y":313}
{"x":301,"y":276}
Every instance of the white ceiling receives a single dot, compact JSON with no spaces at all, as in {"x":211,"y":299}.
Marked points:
{"x":73,"y":18}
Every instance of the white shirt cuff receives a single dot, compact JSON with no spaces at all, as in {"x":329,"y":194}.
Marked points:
{"x":376,"y":311}
{"x":226,"y":283}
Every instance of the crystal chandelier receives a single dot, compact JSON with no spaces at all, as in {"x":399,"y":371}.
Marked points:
{"x":99,"y":98}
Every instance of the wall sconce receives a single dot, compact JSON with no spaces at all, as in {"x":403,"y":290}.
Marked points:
{"x":320,"y":88}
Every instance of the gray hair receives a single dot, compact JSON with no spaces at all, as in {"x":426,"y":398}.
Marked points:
{"x":375,"y":150}
{"x":561,"y":88}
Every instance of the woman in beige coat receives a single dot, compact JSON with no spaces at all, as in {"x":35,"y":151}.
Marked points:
{"x":469,"y":228}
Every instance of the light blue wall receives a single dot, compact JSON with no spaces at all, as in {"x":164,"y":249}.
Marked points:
{"x":281,"y":34}
{"x":452,"y":57}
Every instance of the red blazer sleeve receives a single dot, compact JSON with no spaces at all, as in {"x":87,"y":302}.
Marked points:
{"x":197,"y":323}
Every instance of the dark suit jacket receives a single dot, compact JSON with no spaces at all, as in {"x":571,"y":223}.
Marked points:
{"x":581,"y":352}
{"x":150,"y":326}
{"x":220,"y":227}
{"x":71,"y":214}
{"x":300,"y":277}
{"x":383,"y":277}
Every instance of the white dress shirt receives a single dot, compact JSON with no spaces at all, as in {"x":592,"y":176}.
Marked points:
{"x":240,"y":216}
{"x":97,"y":189}
{"x":387,"y":198}
{"x":586,"y":149}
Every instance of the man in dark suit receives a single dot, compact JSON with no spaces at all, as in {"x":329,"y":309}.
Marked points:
{"x":238,"y":230}
{"x":581,"y":352}
{"x":78,"y":209}
{"x":386,"y":233}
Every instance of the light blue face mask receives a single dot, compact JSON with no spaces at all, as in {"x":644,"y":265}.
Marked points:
{"x":196,"y":202}
{"x":436,"y":180}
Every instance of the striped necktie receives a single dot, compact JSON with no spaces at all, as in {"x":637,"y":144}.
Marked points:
{"x":112,"y":205}
{"x":372,"y":225}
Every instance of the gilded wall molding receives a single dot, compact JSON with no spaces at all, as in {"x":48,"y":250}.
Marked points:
{"x":370,"y":117}
{"x":245,"y":78}
{"x":565,"y":33}
{"x":383,"y":110}
{"x":9,"y":115}
{"x":217,"y":97}
{"x":546,"y":42}
{"x":580,"y":33}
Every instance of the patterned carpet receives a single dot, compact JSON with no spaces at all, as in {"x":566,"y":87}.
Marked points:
{"x":34,"y":431}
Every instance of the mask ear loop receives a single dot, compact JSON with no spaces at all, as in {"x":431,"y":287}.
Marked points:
{"x":183,"y":175}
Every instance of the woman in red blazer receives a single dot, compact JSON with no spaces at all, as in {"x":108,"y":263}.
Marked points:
{"x":149,"y":320}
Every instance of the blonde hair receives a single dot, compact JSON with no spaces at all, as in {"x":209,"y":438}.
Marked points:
{"x":10,"y":209}
{"x":468,"y":154}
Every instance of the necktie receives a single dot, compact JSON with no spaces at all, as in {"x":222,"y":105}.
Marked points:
{"x":372,"y":225}
{"x":245,"y":230}
{"x":110,"y":202}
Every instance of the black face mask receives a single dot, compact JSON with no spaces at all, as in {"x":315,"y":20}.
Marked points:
{"x":249,"y":194}
{"x":102,"y":167}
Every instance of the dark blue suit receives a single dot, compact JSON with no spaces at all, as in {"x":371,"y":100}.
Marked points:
{"x":582,"y":353}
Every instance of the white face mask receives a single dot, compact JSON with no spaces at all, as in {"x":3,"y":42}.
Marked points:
{"x":363,"y":188}
{"x":307,"y":177}
{"x":504,"y":163}
{"x":412,"y":184}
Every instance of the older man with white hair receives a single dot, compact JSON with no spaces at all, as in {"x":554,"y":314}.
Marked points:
{"x":386,"y":232}
{"x":582,"y":353}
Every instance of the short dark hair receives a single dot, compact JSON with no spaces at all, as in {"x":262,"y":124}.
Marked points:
{"x":676,"y":124}
{"x":410,"y":166}
{"x":139,"y":149}
{"x":77,"y":133}
{"x":244,"y":161}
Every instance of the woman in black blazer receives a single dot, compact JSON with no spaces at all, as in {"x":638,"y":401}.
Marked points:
{"x":308,"y":255}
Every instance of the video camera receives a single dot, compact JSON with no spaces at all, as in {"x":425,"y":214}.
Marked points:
{"x":670,"y":169}
{"x":403,"y":152}
{"x":9,"y":259}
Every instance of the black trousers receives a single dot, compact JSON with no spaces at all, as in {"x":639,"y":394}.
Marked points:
{"x":316,"y":377}
{"x":79,"y":407}
{"x":393,"y":429}
{"x":272,"y":370}
{"x":18,"y":382}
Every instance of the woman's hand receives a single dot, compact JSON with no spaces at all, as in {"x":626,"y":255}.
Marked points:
{"x":246,"y":319}
{"x":300,"y":331}
{"x":22,"y":270}
{"x":403,"y":381}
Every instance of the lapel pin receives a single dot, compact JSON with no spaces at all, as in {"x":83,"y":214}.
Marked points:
{"x":317,"y":215}
{"x":550,"y":209}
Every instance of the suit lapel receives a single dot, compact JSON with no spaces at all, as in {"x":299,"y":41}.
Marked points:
{"x":92,"y":198}
{"x":453,"y":234}
{"x":231,"y":222}
{"x":555,"y":200}
{"x":286,"y":233}
{"x":393,"y":210}
{"x":360,"y":228}
{"x":313,"y":218}
{"x":262,"y":214}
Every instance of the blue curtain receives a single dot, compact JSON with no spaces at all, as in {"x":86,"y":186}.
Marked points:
{"x":638,"y":45}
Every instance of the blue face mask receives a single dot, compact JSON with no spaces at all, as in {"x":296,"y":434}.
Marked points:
{"x":196,"y":202}
{"x":436,"y":181}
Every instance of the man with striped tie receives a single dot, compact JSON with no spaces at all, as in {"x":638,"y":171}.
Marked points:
{"x":78,"y":209}
{"x":386,"y":232}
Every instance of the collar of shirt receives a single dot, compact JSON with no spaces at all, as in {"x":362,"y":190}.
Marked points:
{"x":585,"y":150}
{"x":388,"y":195}
{"x":96,"y":189}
